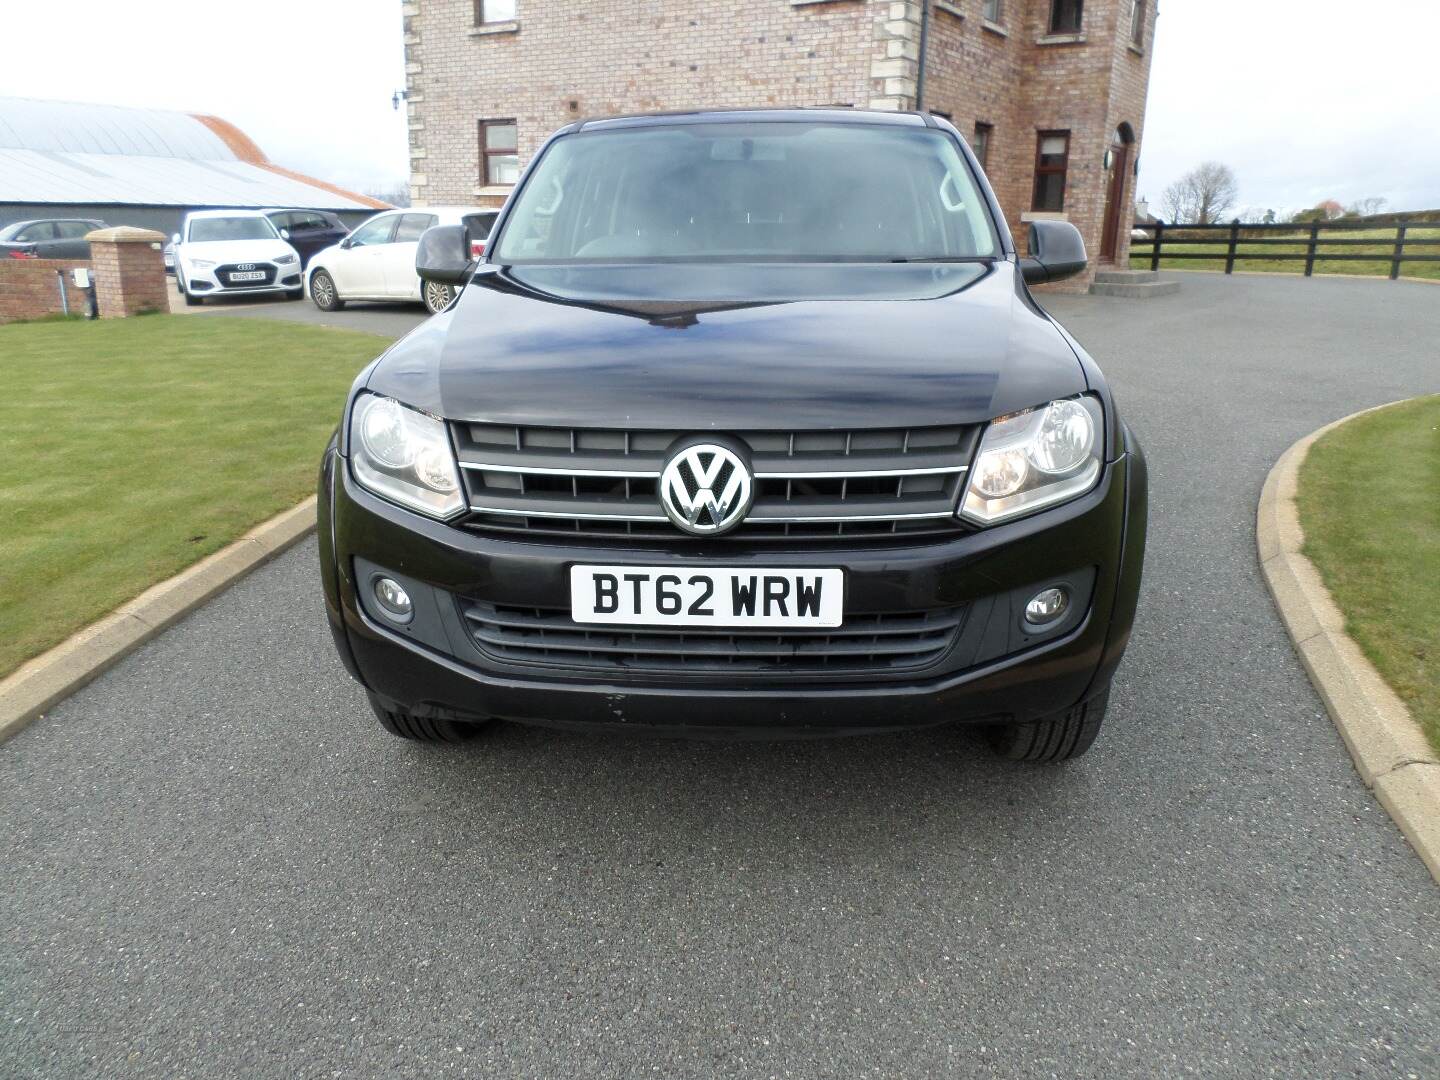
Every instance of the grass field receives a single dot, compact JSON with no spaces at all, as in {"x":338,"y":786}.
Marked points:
{"x":1383,"y":248}
{"x":132,"y":448}
{"x":1370,"y":507}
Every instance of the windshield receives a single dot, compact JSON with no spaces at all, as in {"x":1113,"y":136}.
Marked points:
{"x":749,"y":192}
{"x":207,"y":230}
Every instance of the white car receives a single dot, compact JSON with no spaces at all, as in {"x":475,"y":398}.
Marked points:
{"x":233,"y":253}
{"x":377,"y":260}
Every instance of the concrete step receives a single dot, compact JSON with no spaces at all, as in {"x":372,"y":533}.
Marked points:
{"x":1126,"y":277}
{"x":1132,"y":284}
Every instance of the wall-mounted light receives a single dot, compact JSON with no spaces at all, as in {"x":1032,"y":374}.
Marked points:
{"x":1109,"y":159}
{"x":396,"y":98}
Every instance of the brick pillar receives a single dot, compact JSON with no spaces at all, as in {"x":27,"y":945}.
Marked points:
{"x":129,"y":271}
{"x":895,"y":62}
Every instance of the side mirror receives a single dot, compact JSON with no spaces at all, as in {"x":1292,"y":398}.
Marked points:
{"x":175,"y":239}
{"x":347,"y":243}
{"x":284,"y":234}
{"x":1057,"y":251}
{"x":443,"y":255}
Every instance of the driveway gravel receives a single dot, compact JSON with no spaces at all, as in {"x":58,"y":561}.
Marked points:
{"x":217,"y":865}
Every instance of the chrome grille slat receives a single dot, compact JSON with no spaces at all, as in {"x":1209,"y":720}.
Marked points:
{"x":809,"y":484}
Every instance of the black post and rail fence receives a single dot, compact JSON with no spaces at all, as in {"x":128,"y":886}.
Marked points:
{"x":1397,"y":248}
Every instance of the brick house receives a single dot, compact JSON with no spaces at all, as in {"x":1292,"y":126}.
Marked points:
{"x":1050,"y":93}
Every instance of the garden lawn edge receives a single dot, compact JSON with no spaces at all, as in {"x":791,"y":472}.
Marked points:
{"x":40,"y":683}
{"x":1391,"y":753}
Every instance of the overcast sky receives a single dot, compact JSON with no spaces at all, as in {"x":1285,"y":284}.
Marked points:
{"x":1305,"y":100}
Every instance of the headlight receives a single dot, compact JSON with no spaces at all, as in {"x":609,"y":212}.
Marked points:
{"x":202,"y":264}
{"x":404,"y":455}
{"x":286,"y":260}
{"x":1036,"y":458}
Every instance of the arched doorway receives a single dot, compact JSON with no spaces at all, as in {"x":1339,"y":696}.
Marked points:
{"x":1121,"y":155}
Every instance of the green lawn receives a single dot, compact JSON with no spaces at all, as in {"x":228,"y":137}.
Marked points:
{"x":132,"y":448}
{"x":1384,"y":247}
{"x":1370,"y":507}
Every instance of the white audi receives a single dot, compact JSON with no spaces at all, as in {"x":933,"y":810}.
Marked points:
{"x":377,"y":260}
{"x":233,"y":252}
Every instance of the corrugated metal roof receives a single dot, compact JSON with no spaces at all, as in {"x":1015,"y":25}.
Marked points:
{"x":36,"y":176}
{"x":66,"y":126}
{"x":64,"y":152}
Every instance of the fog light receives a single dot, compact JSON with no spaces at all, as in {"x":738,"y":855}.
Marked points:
{"x":1046,"y":606}
{"x":393,"y":599}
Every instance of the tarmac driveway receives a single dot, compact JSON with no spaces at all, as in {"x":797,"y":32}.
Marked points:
{"x":216,"y":864}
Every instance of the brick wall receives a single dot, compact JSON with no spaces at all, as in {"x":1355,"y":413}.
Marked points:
{"x":29,"y":288}
{"x":565,"y":61}
{"x":562,"y":60}
{"x":129,"y":271}
{"x":1021,"y":80}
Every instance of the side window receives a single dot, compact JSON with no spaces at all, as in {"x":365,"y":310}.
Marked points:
{"x":375,"y":231}
{"x":494,"y":11}
{"x":1066,"y":16}
{"x":281,"y":221}
{"x":1052,"y":155}
{"x":303,"y":222}
{"x":981,"y":143}
{"x":73,"y":230}
{"x":479,"y":225}
{"x":411,"y":226}
{"x":499,"y":157}
{"x":44,"y":230}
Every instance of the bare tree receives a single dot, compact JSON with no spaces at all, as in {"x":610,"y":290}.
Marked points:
{"x":1202,"y":196}
{"x":1366,"y":207}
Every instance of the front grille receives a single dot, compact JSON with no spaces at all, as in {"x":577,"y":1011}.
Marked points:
{"x":808,"y":484}
{"x":866,"y":644}
{"x":222,"y":274}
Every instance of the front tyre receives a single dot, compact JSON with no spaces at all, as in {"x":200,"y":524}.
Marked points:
{"x":437,"y":296}
{"x":1059,"y":737}
{"x":402,"y":722}
{"x":324,"y":293}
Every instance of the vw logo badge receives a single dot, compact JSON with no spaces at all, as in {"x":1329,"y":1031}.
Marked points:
{"x":706,"y":489}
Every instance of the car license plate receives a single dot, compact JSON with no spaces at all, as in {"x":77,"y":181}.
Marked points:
{"x":247,"y":275}
{"x":706,"y":596}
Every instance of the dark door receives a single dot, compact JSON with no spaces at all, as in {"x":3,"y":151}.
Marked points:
{"x":70,"y":242}
{"x":1114,"y":202}
{"x":311,"y":232}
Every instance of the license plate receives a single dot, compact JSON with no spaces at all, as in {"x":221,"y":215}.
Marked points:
{"x":706,"y":596}
{"x":247,"y":275}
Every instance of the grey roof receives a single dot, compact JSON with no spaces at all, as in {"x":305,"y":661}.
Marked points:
{"x":63,"y":152}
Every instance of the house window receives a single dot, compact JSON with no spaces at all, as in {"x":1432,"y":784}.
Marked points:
{"x":981,"y":144}
{"x":992,"y":10}
{"x":1052,"y":152}
{"x":1065,"y":16}
{"x":1137,"y":23}
{"x":494,"y":11}
{"x":499,"y":158}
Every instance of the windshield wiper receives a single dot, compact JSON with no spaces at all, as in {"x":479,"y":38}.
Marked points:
{"x":942,"y":259}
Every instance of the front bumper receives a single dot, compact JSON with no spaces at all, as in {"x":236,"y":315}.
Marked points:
{"x":991,"y":673}
{"x":207,"y":282}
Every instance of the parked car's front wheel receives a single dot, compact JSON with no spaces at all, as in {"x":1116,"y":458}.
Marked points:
{"x":323,"y":292}
{"x":438,"y":296}
{"x":402,"y":722}
{"x":1056,"y":738}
